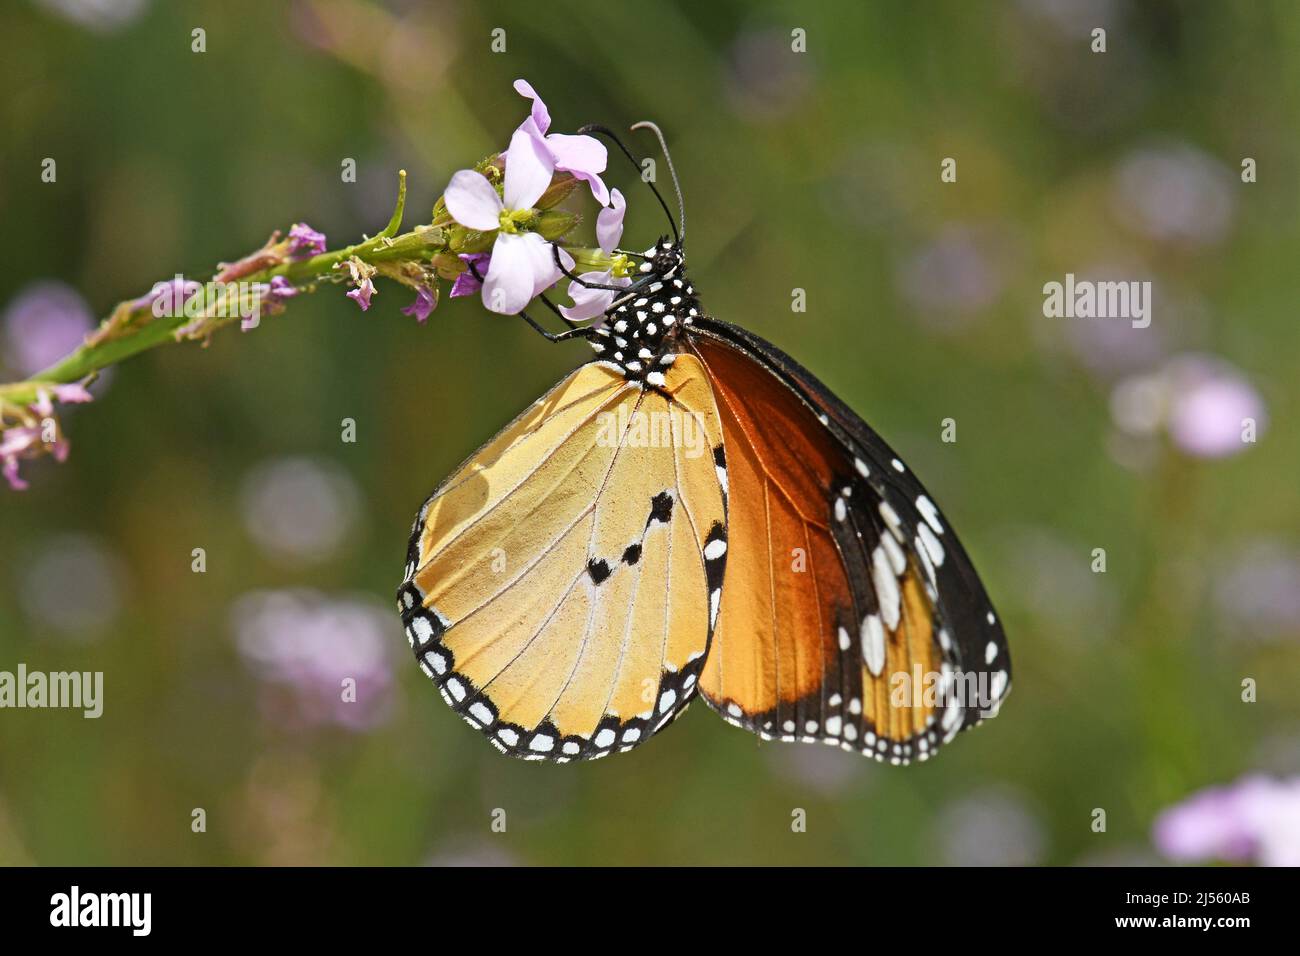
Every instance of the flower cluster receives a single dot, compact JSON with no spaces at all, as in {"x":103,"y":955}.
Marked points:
{"x":522,"y":260}
{"x":33,"y":431}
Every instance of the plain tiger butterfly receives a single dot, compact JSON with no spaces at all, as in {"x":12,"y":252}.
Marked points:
{"x":653,"y":508}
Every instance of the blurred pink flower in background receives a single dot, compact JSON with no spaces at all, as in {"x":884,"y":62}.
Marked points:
{"x":1072,"y":18}
{"x":299,"y":510}
{"x":992,"y":827}
{"x":73,"y":586}
{"x":467,"y":852}
{"x":1205,"y":404}
{"x":1175,"y":193}
{"x":308,"y":645}
{"x":1257,"y":591}
{"x":44,"y":322}
{"x":827,"y":770}
{"x":766,"y":79}
{"x":1255,"y":820}
{"x":1058,"y":587}
{"x":1108,"y":348}
{"x":959,"y":273}
{"x":103,"y":16}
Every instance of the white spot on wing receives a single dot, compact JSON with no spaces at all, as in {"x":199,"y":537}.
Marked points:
{"x":422,"y":628}
{"x":930,"y":513}
{"x":882,"y":575}
{"x":932,"y":545}
{"x":873,"y":644}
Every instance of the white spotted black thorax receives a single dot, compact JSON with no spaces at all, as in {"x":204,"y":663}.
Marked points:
{"x":641,"y":328}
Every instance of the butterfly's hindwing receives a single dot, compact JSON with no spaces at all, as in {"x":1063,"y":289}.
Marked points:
{"x":560,"y":581}
{"x":884,"y":641}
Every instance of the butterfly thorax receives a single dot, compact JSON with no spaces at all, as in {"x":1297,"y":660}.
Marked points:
{"x":641,"y":327}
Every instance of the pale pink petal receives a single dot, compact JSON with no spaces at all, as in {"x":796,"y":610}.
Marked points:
{"x":540,"y":116}
{"x":609,"y":222}
{"x":11,"y":475}
{"x":508,"y":285}
{"x":590,"y":303}
{"x":14,"y":441}
{"x":72,"y":393}
{"x":528,"y":171}
{"x":542,"y":262}
{"x":472,"y":201}
{"x":585,"y":157}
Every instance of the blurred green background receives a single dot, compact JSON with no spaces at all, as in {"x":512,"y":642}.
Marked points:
{"x":816,"y":170}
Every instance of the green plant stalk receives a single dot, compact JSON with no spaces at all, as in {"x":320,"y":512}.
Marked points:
{"x":305,"y":274}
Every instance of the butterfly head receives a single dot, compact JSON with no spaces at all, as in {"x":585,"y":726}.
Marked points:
{"x":667,"y":258}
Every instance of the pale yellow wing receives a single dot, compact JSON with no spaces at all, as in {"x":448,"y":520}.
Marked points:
{"x":561,"y":585}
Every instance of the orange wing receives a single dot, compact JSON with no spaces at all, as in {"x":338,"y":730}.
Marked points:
{"x":829,"y":628}
{"x":559,"y":583}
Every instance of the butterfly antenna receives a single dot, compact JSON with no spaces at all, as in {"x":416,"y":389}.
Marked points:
{"x":613,"y":137}
{"x":672,"y":171}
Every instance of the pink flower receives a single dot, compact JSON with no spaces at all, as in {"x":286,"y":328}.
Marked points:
{"x":362,"y":293}
{"x":1209,"y":413}
{"x":1208,"y":407}
{"x":29,"y":441}
{"x":272,"y":295}
{"x":10,"y":469}
{"x":522,"y":265}
{"x":467,"y":283}
{"x":425,"y":302}
{"x":1255,"y":819}
{"x":590,"y":303}
{"x":304,"y":241}
{"x":584,"y":157}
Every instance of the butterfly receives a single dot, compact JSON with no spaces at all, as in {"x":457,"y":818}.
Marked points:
{"x":692,"y":513}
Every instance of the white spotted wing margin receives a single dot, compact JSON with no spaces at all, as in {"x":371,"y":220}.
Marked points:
{"x":888,"y":531}
{"x":558,"y":583}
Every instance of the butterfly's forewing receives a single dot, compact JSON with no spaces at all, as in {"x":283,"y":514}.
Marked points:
{"x":841,"y":576}
{"x":559,"y":583}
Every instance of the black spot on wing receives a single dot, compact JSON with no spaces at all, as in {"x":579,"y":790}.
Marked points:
{"x":661,"y":508}
{"x":598,"y":568}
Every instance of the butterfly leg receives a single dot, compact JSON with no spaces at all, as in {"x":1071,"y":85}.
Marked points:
{"x":554,"y":308}
{"x":575,"y":333}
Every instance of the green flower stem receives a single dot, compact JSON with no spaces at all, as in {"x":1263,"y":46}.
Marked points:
{"x":128,"y":332}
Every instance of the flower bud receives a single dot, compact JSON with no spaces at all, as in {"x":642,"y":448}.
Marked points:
{"x":560,"y":189}
{"x":554,"y":223}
